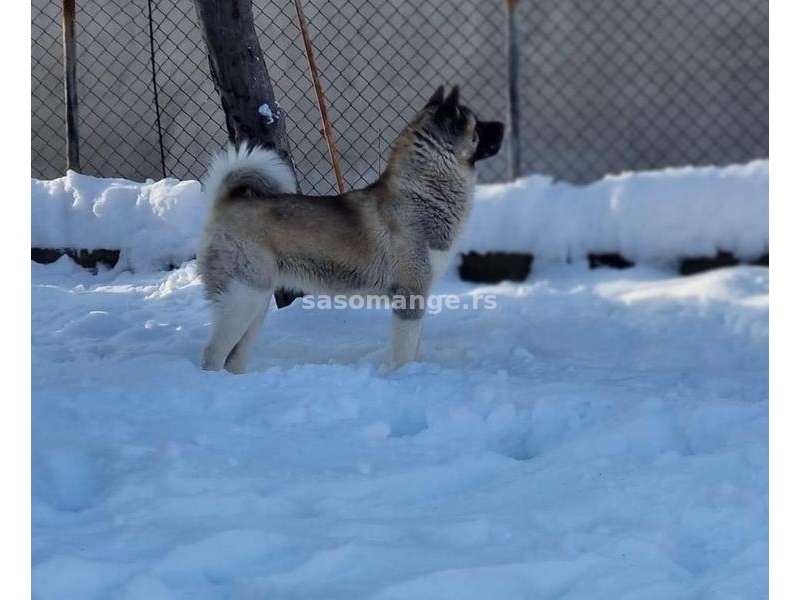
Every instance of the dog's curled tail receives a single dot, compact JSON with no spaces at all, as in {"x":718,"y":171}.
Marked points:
{"x":259,"y":170}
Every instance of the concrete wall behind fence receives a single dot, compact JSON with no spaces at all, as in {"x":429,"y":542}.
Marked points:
{"x":605,"y":85}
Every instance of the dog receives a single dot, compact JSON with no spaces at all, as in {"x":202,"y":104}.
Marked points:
{"x":394,"y":236}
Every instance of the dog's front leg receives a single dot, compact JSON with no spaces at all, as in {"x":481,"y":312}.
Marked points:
{"x":408,"y":309}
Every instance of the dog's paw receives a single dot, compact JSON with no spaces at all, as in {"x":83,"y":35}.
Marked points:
{"x":236,"y":367}
{"x":210,"y":362}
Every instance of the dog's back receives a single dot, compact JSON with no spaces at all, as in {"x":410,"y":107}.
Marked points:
{"x":261,"y":233}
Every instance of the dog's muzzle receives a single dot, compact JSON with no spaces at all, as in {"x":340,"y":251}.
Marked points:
{"x":490,"y":137}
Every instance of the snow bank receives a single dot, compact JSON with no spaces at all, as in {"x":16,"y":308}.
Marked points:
{"x":153,"y":224}
{"x":690,"y":211}
{"x":647,"y":216}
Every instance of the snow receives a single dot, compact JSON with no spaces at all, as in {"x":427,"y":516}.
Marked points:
{"x":645,"y":216}
{"x":265,"y":111}
{"x":589,"y":434}
{"x":153,"y":224}
{"x":599,"y":434}
{"x":648,"y":217}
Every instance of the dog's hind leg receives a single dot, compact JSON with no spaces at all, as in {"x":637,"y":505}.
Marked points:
{"x":237,"y":359}
{"x":233,"y":313}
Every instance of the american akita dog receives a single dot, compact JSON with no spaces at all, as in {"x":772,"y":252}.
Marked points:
{"x":393,"y":237}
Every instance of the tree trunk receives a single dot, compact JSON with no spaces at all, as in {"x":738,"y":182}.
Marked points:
{"x":240,"y":75}
{"x":242,"y":81}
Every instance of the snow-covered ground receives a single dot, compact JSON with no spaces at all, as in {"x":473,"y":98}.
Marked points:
{"x":599,"y":434}
{"x":596,"y":434}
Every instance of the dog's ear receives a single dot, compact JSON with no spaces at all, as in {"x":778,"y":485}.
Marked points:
{"x":447,"y":112}
{"x":437,"y":98}
{"x":451,"y":102}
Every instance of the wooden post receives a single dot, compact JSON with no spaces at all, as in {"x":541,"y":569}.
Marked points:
{"x":70,"y":85}
{"x":513,"y":91}
{"x":240,"y":75}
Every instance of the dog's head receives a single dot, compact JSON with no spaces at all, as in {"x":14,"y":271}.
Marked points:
{"x":445,"y":125}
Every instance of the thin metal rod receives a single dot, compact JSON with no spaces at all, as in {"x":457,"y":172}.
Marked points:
{"x":155,"y":89}
{"x":513,"y":90}
{"x":327,"y":130}
{"x":70,"y":85}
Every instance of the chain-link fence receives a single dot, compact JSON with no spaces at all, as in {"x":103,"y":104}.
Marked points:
{"x":615,"y":85}
{"x":602,"y":86}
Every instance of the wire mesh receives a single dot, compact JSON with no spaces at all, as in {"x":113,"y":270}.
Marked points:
{"x":621,"y":85}
{"x":48,"y":147}
{"x":604,"y":86}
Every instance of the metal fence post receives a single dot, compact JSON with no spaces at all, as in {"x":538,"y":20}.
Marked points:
{"x":70,"y":85}
{"x":155,"y":88}
{"x":513,"y":90}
